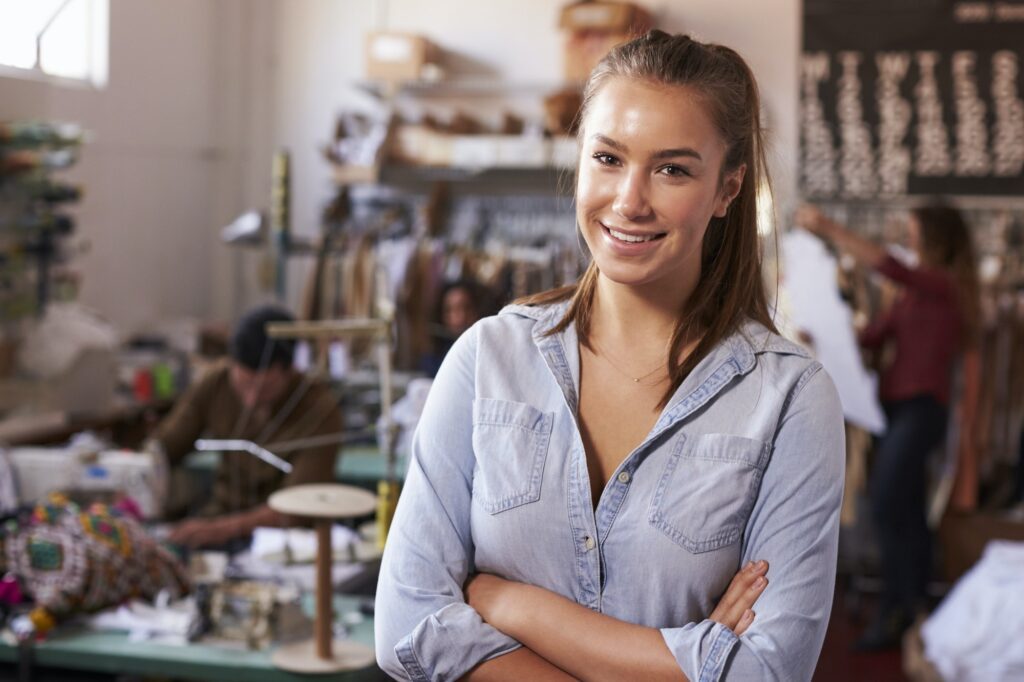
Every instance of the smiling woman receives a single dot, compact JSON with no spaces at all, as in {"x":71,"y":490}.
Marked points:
{"x":603,"y":473}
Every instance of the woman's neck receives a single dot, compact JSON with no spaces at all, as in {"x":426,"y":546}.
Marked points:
{"x":634,"y":318}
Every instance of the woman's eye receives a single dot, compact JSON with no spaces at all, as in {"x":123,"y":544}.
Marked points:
{"x":675,"y":171}
{"x":605,"y":159}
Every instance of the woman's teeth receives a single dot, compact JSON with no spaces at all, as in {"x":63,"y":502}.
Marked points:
{"x":632,"y":239}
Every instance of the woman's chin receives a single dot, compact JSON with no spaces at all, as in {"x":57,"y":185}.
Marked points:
{"x":626,"y":275}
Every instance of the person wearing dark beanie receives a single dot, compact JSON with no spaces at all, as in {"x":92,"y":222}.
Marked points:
{"x":250,"y":346}
{"x":257,"y":395}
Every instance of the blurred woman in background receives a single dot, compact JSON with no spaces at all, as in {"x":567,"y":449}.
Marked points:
{"x":929,"y":328}
{"x":460,"y":304}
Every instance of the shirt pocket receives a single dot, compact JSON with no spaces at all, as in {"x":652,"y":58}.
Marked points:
{"x":510,"y":441}
{"x":707,"y":490}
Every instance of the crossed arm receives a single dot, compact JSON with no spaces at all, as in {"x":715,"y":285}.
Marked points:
{"x":563,"y":640}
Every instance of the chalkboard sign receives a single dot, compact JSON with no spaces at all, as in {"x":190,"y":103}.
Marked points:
{"x":912,"y":97}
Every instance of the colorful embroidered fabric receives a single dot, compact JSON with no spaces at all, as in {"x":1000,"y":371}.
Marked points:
{"x":71,"y":560}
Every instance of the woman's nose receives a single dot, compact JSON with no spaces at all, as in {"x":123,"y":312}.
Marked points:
{"x":631,"y":200}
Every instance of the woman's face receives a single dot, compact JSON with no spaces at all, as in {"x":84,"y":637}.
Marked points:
{"x":649,"y":182}
{"x":458,"y":313}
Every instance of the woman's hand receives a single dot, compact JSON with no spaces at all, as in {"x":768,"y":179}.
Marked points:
{"x":814,"y":221}
{"x":734,"y":608}
{"x":489,"y":596}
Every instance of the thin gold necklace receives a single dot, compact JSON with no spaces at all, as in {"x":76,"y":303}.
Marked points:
{"x":604,"y":355}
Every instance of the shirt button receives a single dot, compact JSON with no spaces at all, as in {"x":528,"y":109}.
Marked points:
{"x":588,"y":542}
{"x":623,"y":477}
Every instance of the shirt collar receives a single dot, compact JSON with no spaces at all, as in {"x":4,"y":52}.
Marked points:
{"x":735,"y":356}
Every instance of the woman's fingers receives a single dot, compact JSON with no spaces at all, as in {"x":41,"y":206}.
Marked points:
{"x":745,"y":620}
{"x":744,"y":590}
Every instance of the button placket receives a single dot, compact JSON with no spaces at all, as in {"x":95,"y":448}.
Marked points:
{"x":588,"y":563}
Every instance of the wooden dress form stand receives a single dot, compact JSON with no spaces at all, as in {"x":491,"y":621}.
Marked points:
{"x":324,"y":503}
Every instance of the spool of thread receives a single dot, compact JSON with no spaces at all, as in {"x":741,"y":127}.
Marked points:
{"x":143,"y":385}
{"x":163,"y":381}
{"x":387,"y":501}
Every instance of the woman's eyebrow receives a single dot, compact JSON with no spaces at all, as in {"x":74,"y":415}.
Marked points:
{"x":672,"y":153}
{"x":660,"y":154}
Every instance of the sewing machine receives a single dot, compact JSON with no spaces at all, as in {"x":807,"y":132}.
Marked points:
{"x":87,"y":476}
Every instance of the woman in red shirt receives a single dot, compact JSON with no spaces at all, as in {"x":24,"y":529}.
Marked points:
{"x":928,"y":328}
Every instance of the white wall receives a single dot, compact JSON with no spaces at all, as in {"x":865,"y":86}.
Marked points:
{"x":166,"y":165}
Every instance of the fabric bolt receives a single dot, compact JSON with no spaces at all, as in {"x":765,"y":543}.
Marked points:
{"x":925,"y":327}
{"x":211,"y":408}
{"x":394,"y":256}
{"x":73,"y":560}
{"x":416,"y":301}
{"x":358,"y":288}
{"x":744,"y":463}
{"x":974,"y":635}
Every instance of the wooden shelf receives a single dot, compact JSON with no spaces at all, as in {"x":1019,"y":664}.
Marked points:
{"x":507,"y":179}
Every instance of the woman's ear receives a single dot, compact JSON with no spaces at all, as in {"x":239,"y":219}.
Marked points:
{"x":731,"y":184}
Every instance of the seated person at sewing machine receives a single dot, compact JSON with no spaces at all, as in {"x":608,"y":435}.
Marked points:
{"x":258,"y":396}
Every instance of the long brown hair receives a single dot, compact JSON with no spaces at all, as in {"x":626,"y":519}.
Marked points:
{"x":946,"y":243}
{"x":731,"y":288}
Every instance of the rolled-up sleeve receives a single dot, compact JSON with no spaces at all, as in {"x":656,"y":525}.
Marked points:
{"x":424,"y":630}
{"x":794,"y":525}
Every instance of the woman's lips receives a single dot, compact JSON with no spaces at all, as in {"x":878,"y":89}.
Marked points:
{"x":620,"y":242}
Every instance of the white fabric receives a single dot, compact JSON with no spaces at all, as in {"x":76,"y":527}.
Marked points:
{"x":166,"y":623}
{"x":975,"y":635}
{"x":273,"y":544}
{"x":810,"y":287}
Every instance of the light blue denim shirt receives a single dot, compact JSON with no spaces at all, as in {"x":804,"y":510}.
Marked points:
{"x":744,"y":463}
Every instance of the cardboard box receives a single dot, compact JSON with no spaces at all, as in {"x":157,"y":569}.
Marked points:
{"x":398,"y":56}
{"x":617,"y":17}
{"x":594,"y":29}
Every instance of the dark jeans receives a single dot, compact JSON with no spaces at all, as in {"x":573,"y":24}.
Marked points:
{"x":898,"y":492}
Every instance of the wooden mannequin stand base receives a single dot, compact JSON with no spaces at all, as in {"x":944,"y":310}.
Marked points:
{"x":324,"y":503}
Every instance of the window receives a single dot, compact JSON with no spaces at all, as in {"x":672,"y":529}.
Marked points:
{"x":66,"y":39}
